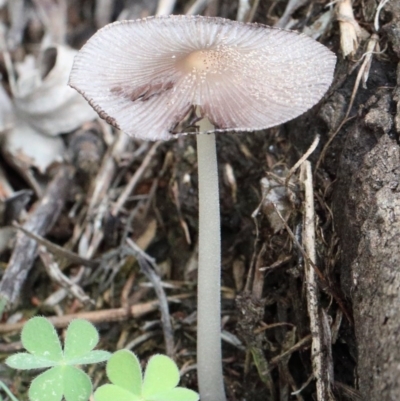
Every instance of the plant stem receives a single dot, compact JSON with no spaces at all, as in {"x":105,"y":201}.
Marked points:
{"x":8,"y":391}
{"x":209,"y":357}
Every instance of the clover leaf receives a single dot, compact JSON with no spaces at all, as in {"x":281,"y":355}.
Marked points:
{"x":159,"y":383}
{"x":40,"y":339}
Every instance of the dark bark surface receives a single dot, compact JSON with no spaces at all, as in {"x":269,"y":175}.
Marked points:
{"x":367,"y":214}
{"x":370,"y":233}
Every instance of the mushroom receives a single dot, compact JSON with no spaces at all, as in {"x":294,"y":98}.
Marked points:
{"x":146,"y":76}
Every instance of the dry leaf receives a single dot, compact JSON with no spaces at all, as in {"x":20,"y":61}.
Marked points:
{"x":45,"y":100}
{"x":28,"y":147}
{"x":275,"y":193}
{"x":42,"y":105}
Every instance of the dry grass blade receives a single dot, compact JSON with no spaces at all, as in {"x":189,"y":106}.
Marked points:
{"x":302,"y":159}
{"x":322,"y":372}
{"x":325,"y":286}
{"x":381,"y":4}
{"x":302,"y":344}
{"x":147,"y":266}
{"x":107,"y":171}
{"x":57,"y":250}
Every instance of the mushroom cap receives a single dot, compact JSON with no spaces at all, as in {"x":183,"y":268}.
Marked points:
{"x":144,"y":76}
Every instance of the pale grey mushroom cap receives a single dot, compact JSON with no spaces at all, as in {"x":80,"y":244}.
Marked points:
{"x":144,"y":76}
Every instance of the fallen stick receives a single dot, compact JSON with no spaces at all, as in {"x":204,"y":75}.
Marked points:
{"x":40,"y":221}
{"x":320,"y":354}
{"x":100,"y":316}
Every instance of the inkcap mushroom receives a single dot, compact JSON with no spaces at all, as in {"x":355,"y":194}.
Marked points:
{"x":147,"y":76}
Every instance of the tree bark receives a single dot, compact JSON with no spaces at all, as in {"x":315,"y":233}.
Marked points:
{"x":367,"y":217}
{"x":364,"y":162}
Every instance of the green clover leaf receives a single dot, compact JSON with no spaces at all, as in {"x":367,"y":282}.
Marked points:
{"x":159,"y":382}
{"x":40,"y":339}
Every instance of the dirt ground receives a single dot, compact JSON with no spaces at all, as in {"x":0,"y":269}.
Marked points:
{"x":77,"y":252}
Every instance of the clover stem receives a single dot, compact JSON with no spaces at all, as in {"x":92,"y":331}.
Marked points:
{"x":209,"y":355}
{"x":7,"y":391}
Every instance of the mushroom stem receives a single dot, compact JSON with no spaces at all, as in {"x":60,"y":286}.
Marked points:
{"x":209,"y":356}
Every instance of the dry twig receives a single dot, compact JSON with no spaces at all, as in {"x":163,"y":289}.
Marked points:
{"x":302,"y":159}
{"x":72,"y":257}
{"x":322,"y":372}
{"x":135,"y":179}
{"x":55,"y":273}
{"x":99,"y":316}
{"x":324,"y":283}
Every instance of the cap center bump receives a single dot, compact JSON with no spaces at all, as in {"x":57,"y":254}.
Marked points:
{"x":199,"y":60}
